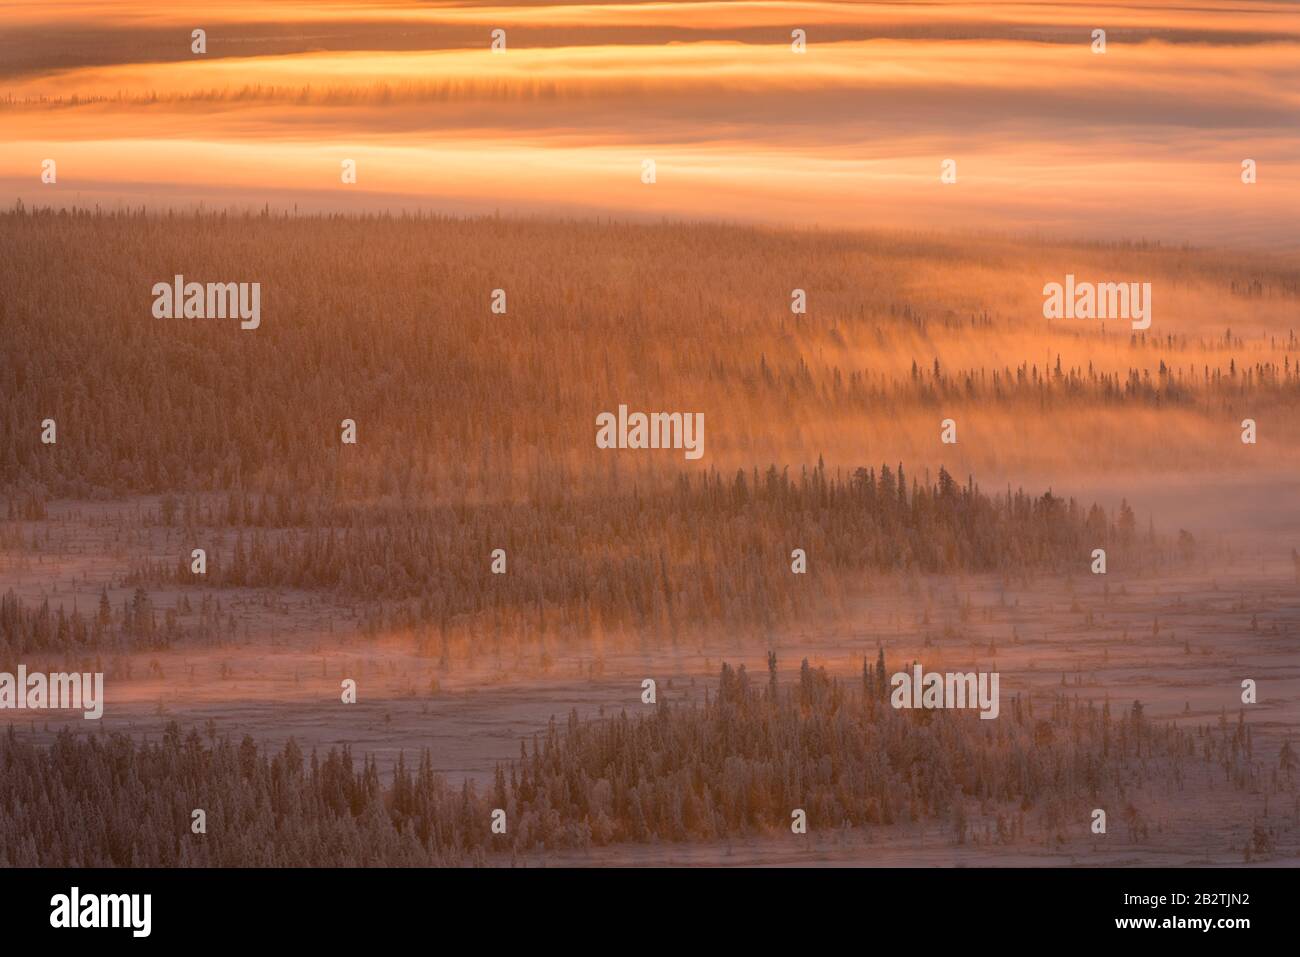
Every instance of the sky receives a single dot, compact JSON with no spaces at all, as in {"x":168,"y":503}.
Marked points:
{"x":1143,"y":141}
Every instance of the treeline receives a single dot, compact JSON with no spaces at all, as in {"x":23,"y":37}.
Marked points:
{"x":135,"y":625}
{"x":1057,"y":386}
{"x":388,"y":321}
{"x":712,"y":550}
{"x":735,"y":766}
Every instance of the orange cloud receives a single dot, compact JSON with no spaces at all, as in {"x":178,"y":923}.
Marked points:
{"x":1146,"y":140}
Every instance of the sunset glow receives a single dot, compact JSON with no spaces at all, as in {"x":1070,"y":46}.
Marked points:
{"x":850,"y":134}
